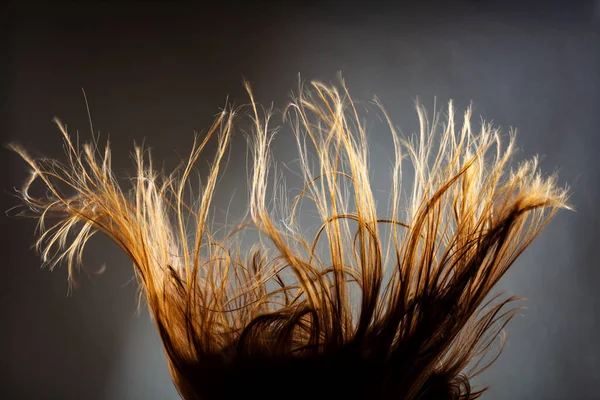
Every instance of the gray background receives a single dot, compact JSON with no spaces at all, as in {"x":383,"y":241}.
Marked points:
{"x":159,"y":72}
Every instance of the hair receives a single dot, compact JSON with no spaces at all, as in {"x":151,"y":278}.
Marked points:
{"x":370,"y":306}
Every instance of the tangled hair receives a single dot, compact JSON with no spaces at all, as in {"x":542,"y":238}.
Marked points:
{"x":350,"y":312}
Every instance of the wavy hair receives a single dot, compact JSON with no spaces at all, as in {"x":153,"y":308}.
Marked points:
{"x":380,"y":307}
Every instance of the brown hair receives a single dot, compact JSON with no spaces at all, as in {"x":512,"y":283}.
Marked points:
{"x":402,"y":316}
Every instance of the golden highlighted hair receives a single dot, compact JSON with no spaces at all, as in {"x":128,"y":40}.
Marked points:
{"x":396,"y":306}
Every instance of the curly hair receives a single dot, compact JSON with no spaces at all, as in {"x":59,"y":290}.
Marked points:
{"x":349,"y":312}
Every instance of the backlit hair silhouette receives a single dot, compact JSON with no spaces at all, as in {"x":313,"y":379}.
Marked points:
{"x":370,"y":306}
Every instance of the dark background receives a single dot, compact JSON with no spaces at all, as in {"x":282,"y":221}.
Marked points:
{"x":161,"y":70}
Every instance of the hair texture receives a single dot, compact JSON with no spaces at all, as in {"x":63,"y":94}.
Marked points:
{"x":379,"y":307}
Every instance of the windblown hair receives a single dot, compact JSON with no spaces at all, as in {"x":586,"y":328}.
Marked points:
{"x":394,"y":307}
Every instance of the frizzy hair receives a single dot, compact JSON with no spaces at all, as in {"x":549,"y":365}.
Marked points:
{"x":402,"y":315}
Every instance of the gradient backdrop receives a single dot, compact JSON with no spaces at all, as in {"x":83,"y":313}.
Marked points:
{"x":158,"y":71}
